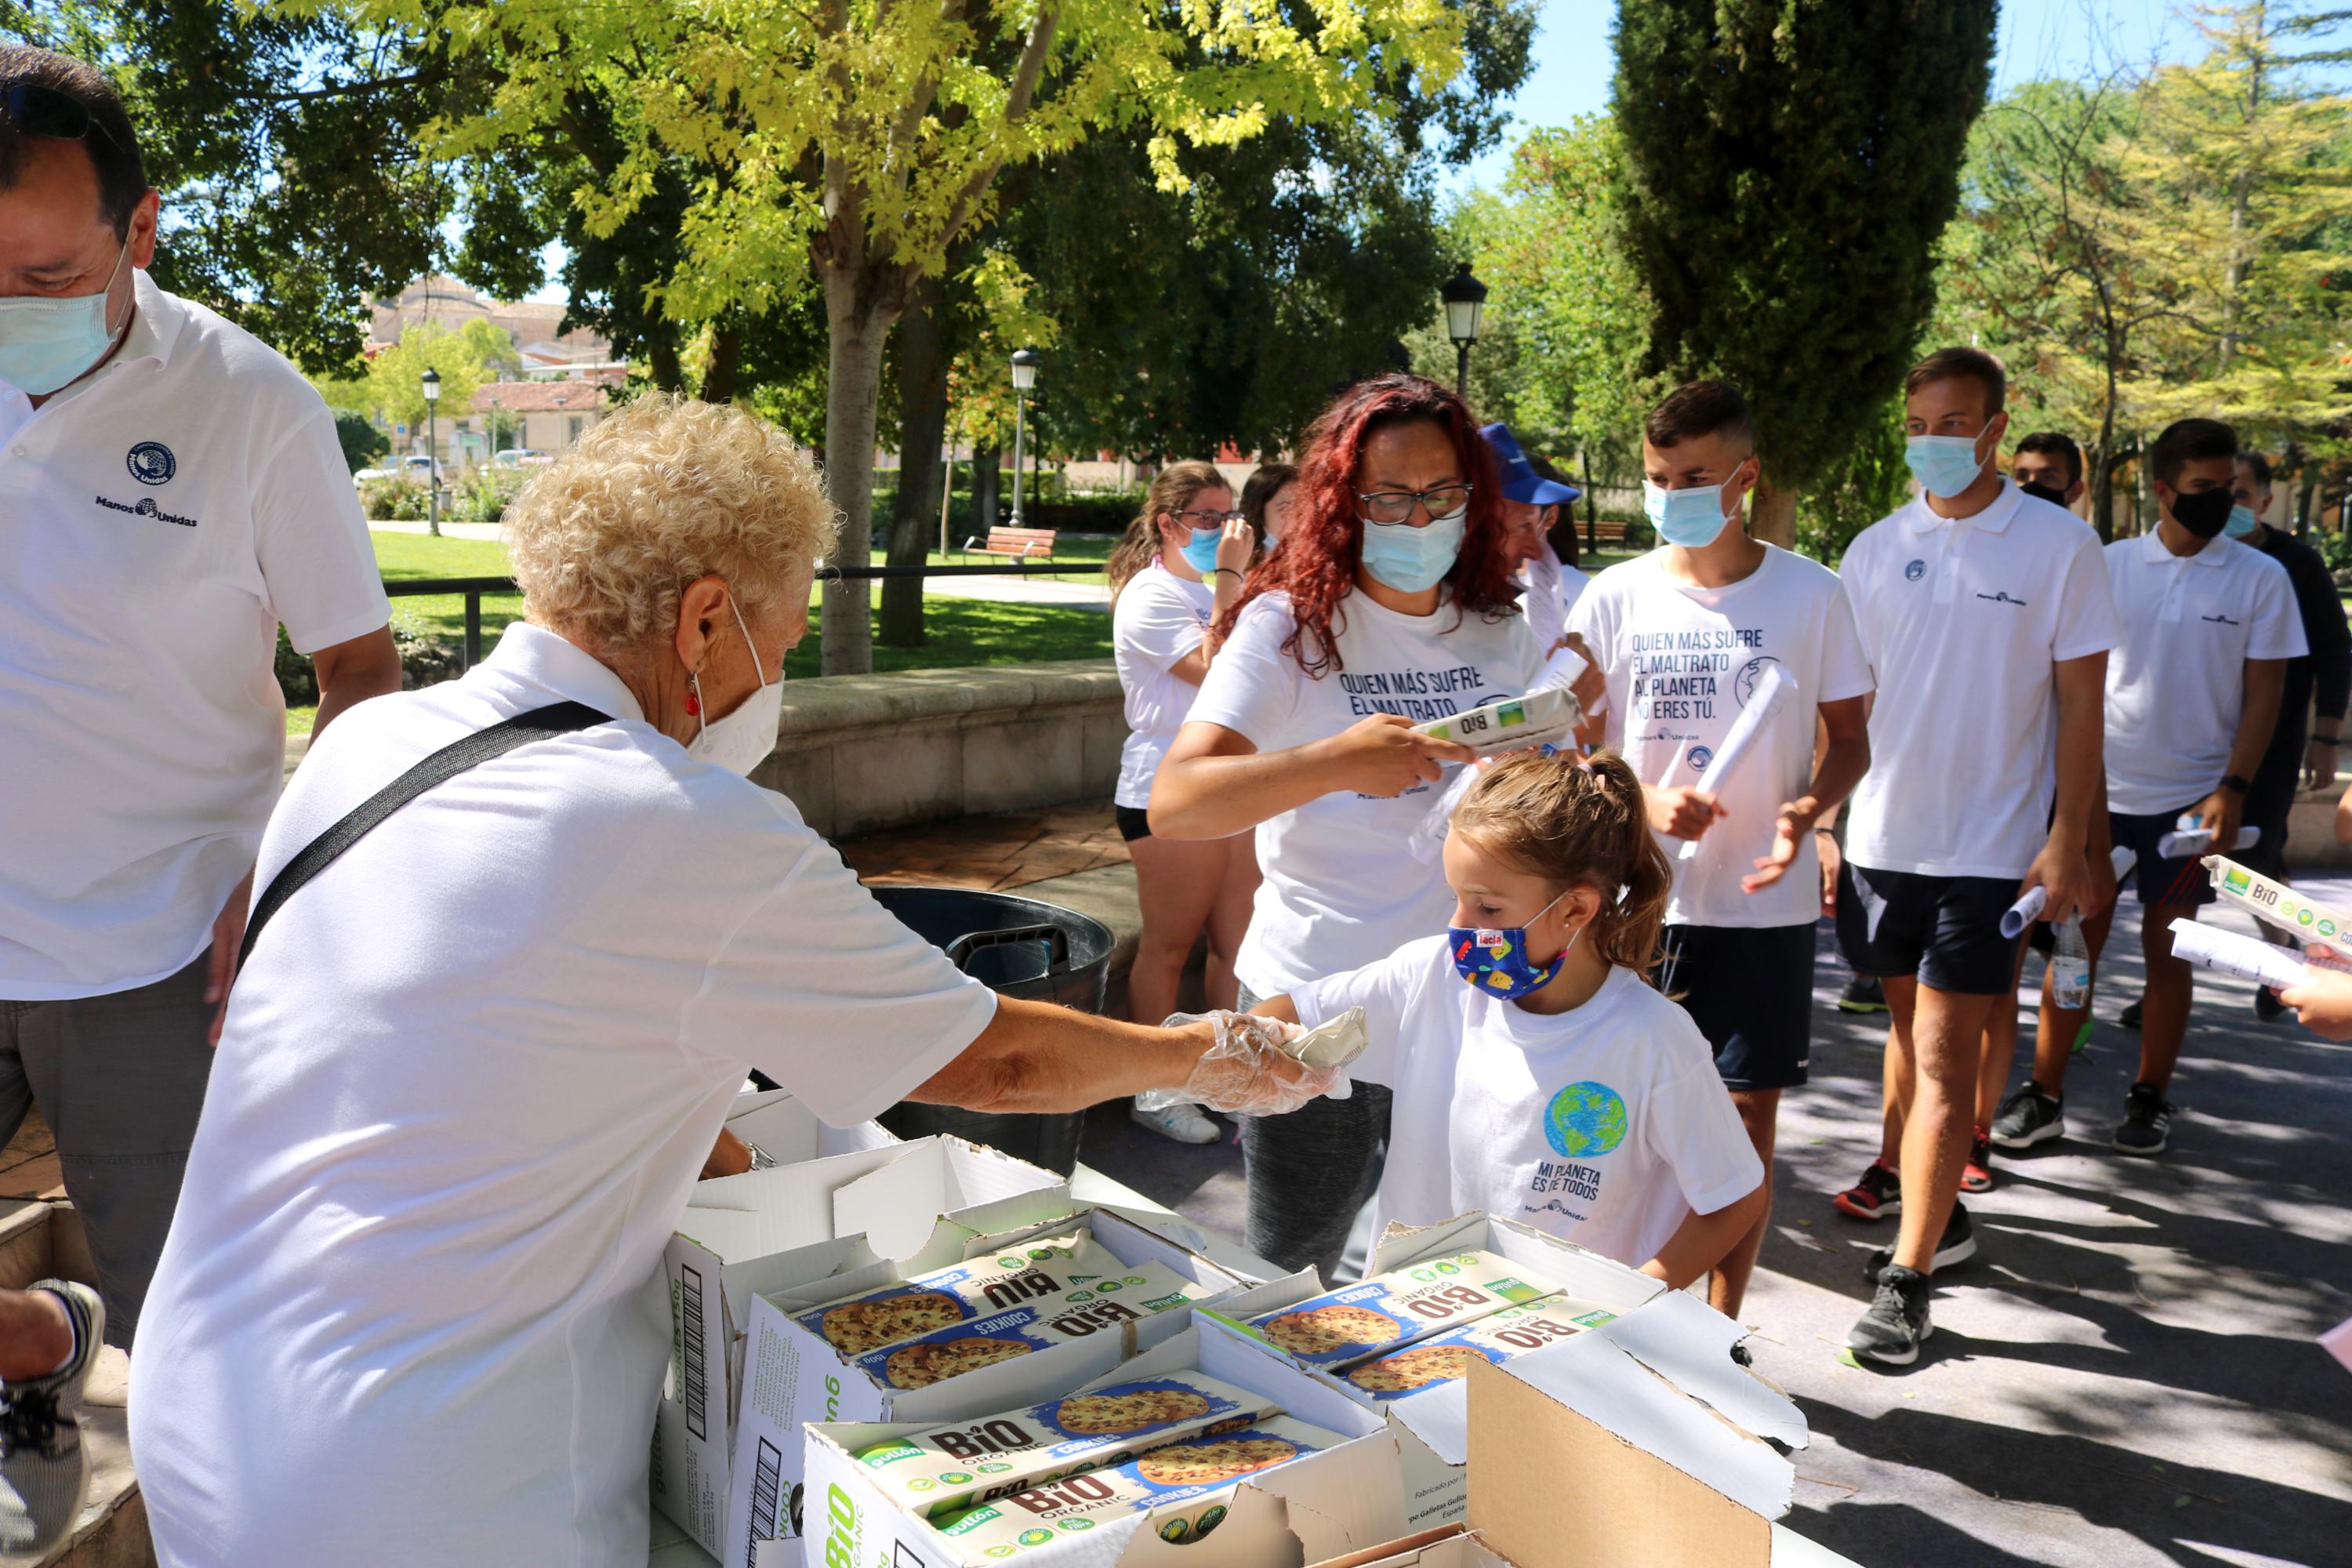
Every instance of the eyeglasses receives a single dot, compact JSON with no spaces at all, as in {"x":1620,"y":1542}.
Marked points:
{"x":1396,"y":506}
{"x":1206,"y":519}
{"x":37,"y":110}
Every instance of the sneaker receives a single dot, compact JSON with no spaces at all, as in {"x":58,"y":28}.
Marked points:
{"x":1896,"y":1324}
{"x":2029,"y":1115}
{"x":2267,"y":1005}
{"x":1876,"y":1195}
{"x":2130,"y":1017}
{"x":1976,"y":1176}
{"x":1178,"y":1123}
{"x":42,"y":1468}
{"x":1958,"y":1244}
{"x":1862,"y":994}
{"x":2147,"y":1120}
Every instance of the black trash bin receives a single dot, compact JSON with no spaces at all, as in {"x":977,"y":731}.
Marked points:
{"x":1021,"y":948}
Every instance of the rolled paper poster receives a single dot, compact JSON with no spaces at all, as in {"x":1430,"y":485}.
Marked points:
{"x":2227,"y":953}
{"x":2191,"y":840}
{"x":2024,"y":912}
{"x":1772,"y":687}
{"x":1559,"y":672}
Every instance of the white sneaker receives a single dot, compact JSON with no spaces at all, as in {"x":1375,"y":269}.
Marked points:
{"x":42,"y":1467}
{"x":1178,"y":1123}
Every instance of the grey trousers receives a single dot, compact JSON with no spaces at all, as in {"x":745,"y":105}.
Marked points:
{"x":120,"y":1080}
{"x":1309,"y":1172}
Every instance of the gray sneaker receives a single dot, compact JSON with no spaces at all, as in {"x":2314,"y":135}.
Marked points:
{"x":2029,"y":1116}
{"x":2148,"y":1121}
{"x":1896,"y":1324}
{"x":42,"y":1467}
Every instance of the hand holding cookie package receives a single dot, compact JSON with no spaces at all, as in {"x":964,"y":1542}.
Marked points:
{"x":1248,"y":1072}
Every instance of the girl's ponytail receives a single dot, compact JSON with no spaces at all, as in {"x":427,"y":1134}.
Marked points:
{"x":1584,"y":821}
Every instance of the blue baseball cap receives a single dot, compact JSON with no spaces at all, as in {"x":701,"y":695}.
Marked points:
{"x":1521,"y":483}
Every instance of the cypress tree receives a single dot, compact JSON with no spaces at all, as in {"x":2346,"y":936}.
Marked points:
{"x":1789,"y":165}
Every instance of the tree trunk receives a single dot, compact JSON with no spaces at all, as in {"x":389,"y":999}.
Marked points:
{"x":719,"y":380}
{"x":923,"y":399}
{"x":987,"y":476}
{"x":859,"y":325}
{"x":661,"y":359}
{"x":1772,"y":515}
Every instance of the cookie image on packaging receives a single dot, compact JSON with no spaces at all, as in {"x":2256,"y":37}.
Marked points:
{"x":1416,"y":1368}
{"x":855,"y":1327}
{"x":1320,"y":1331}
{"x":1098,"y":1414}
{"x":921,"y":1365}
{"x":1209,"y":1463}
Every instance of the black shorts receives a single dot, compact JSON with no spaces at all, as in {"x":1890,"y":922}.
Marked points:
{"x":2160,"y":880}
{"x":1750,"y":991}
{"x":1134,"y":822}
{"x":1944,"y":930}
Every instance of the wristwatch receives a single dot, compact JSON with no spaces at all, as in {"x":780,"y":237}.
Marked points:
{"x":2235,"y":784}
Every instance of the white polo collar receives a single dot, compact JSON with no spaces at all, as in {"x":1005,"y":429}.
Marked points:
{"x":1994,"y":519}
{"x":156,"y":319}
{"x":537,"y":657}
{"x":2216,"y":552}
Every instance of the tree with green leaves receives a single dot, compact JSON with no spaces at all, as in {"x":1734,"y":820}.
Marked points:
{"x":1789,"y":167}
{"x":849,"y":144}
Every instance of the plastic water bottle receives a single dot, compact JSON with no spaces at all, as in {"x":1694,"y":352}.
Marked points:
{"x":2070,"y":968}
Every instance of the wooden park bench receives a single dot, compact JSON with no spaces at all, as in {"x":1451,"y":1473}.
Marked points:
{"x":1602,"y":533}
{"x":1028,"y":544}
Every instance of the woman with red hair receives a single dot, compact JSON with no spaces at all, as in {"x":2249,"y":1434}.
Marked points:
{"x":1389,"y":605}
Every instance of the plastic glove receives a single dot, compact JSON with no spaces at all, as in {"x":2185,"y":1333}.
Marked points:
{"x":1247,"y":1072}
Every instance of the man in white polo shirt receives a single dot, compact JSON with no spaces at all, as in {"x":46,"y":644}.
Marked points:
{"x":170,"y":490}
{"x":1986,"y":617}
{"x":2193,"y":690}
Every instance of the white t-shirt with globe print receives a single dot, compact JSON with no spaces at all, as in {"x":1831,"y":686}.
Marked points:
{"x":1606,"y":1125}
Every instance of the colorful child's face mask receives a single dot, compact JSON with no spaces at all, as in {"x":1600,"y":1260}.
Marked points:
{"x":1497,"y":962}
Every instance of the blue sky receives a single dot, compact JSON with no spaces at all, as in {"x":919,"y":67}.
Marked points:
{"x":2037,"y":38}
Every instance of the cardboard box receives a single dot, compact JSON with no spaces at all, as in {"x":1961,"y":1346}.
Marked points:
{"x":1342,"y":1500}
{"x":791,"y":1376}
{"x":1432,"y":1426}
{"x":1648,"y":1436}
{"x":844,"y":1184}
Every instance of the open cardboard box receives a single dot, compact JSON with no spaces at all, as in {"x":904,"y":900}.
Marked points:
{"x":1342,"y":1500}
{"x":1432,"y":1427}
{"x":792,"y":1376}
{"x":837,"y":1184}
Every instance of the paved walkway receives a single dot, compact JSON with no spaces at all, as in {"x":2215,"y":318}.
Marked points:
{"x":2125,"y":1377}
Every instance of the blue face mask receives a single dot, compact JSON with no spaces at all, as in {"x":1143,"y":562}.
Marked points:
{"x":1411,"y":559}
{"x":48,"y":344}
{"x":1943,"y":465}
{"x":1201,"y":551}
{"x":1497,"y":962}
{"x":1692,"y":518}
{"x":2243,"y":522}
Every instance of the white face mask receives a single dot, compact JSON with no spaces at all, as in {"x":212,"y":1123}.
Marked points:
{"x":742,"y":741}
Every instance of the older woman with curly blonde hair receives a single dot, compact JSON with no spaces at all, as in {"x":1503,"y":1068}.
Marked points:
{"x":521,"y":938}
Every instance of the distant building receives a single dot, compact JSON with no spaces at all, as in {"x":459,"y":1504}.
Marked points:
{"x":543,"y":415}
{"x":533,"y":326}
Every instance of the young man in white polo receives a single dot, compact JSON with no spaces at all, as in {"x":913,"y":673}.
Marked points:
{"x":1688,"y":636}
{"x":2192,"y":692}
{"x":1987,"y":619}
{"x":171,"y":492}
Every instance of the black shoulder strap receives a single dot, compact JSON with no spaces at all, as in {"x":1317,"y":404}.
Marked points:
{"x":556,"y":718}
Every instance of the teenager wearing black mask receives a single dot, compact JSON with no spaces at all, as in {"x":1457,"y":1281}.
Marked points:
{"x":2192,"y":696}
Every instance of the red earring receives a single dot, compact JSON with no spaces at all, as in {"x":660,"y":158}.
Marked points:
{"x":693,"y":702}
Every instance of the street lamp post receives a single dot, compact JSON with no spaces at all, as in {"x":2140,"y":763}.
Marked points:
{"x":1466,"y":300}
{"x":432,"y":453}
{"x":1025,"y":377}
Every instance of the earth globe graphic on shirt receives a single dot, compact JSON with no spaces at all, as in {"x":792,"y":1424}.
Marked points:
{"x":1584,"y":1120}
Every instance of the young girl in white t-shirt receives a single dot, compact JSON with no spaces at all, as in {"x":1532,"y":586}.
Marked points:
{"x":1178,"y":569}
{"x":1536,"y":1074}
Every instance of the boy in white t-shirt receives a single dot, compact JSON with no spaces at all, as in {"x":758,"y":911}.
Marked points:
{"x":2192,"y":697}
{"x":1536,"y":1075}
{"x":1687,"y":638}
{"x":1987,"y":619}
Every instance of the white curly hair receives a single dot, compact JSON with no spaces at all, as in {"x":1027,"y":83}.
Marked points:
{"x":666,"y":490}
